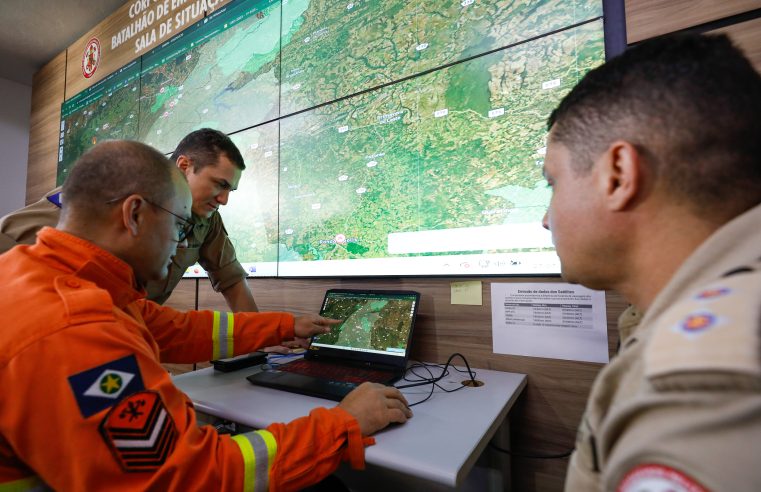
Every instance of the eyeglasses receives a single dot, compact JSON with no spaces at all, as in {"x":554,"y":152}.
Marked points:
{"x":184,"y":228}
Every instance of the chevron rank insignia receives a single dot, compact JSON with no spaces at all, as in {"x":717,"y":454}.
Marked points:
{"x":140,"y":432}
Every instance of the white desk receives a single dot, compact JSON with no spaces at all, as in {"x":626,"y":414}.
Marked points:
{"x":439,"y":444}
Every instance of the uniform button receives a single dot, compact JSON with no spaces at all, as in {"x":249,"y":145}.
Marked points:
{"x":73,"y":283}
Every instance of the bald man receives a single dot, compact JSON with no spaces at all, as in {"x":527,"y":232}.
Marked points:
{"x":91,"y":407}
{"x":213,"y":165}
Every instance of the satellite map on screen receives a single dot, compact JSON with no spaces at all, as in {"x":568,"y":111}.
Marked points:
{"x":250,"y":215}
{"x":211,"y":75}
{"x":456,"y":149}
{"x":376,"y":324}
{"x":381,"y":137}
{"x":339,"y":47}
{"x":106,"y":110}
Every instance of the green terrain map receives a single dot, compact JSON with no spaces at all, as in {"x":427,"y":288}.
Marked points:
{"x":107,"y":110}
{"x":250,"y":215}
{"x":459,"y":147}
{"x":339,"y":47}
{"x":377,"y":324}
{"x":360,"y":118}
{"x":211,"y":76}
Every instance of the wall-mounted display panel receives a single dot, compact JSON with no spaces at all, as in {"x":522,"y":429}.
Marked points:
{"x":336,"y":48}
{"x":220,"y":73}
{"x":381,"y":137}
{"x":105,"y":110}
{"x":441,"y":173}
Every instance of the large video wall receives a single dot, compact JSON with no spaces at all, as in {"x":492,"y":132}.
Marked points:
{"x":381,"y":137}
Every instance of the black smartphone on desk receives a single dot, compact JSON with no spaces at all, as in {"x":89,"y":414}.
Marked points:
{"x":240,"y":362}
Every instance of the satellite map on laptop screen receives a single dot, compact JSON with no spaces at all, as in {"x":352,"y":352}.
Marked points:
{"x":374,"y":322}
{"x":372,"y":344}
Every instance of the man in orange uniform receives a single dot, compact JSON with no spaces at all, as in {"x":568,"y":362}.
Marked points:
{"x":88,"y":405}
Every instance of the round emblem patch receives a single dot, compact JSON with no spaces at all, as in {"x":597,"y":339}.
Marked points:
{"x":91,"y":58}
{"x":698,"y":322}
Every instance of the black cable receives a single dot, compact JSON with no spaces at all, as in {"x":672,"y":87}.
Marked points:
{"x":564,"y":454}
{"x":433,"y":381}
{"x":444,"y":372}
{"x":430,"y":393}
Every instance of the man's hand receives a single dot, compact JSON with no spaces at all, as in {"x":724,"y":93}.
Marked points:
{"x":288,"y":346}
{"x":311,"y":324}
{"x":375,"y":406}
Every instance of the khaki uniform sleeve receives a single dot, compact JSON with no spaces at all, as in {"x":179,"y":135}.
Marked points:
{"x":698,"y":419}
{"x":217,"y":256}
{"x":21,"y":226}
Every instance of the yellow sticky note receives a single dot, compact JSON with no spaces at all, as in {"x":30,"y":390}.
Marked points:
{"x":467,"y":293}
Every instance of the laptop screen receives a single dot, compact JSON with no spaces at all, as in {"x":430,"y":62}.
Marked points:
{"x":374,"y":322}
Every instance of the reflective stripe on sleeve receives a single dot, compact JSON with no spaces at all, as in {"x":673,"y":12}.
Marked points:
{"x":222,"y":335}
{"x":258,"y":449}
{"x":28,"y":484}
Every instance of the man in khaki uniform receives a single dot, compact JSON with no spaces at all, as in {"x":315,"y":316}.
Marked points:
{"x":655,"y":164}
{"x":213,"y":166}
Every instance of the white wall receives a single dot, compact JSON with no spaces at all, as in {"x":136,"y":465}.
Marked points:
{"x":15,"y":108}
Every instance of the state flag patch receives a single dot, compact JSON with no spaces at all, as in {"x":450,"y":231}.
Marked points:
{"x":102,"y":387}
{"x":140,"y":432}
{"x":55,"y":199}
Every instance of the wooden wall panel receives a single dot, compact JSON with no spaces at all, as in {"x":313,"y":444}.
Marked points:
{"x":747,"y":35}
{"x":650,"y":18}
{"x":547,"y":415}
{"x":184,"y":295}
{"x":44,"y":127}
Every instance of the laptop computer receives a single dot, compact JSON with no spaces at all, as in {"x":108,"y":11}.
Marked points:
{"x":372,"y":344}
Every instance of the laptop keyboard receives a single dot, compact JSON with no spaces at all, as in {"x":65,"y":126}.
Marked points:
{"x":336,"y":372}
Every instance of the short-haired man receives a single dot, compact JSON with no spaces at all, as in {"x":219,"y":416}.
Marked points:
{"x":88,"y":406}
{"x":213,"y":166}
{"x":654,"y":160}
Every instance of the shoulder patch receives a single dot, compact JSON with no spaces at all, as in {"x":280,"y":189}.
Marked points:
{"x":140,"y":432}
{"x":658,"y":477}
{"x":715,"y":329}
{"x":55,"y":199}
{"x":84,"y":301}
{"x":105,"y":385}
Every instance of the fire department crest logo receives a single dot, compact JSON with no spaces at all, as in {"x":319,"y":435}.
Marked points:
{"x":91,"y":58}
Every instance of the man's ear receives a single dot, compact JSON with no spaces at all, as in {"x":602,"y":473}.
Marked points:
{"x":621,"y":174}
{"x":133,"y":210}
{"x":183,"y":162}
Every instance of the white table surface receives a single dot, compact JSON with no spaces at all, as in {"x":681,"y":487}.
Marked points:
{"x":440,"y":443}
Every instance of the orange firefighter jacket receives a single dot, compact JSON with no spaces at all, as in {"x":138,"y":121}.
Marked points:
{"x":86,"y":404}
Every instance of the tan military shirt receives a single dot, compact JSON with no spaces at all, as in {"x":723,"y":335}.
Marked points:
{"x":209,"y":245}
{"x":21,"y":226}
{"x":679,"y":408}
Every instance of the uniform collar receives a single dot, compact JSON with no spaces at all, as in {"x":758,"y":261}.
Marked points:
{"x":202,"y":221}
{"x":200,"y":229}
{"x":90,"y":262}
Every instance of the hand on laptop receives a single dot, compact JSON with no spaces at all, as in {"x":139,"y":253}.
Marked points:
{"x":312,"y":324}
{"x":375,"y":406}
